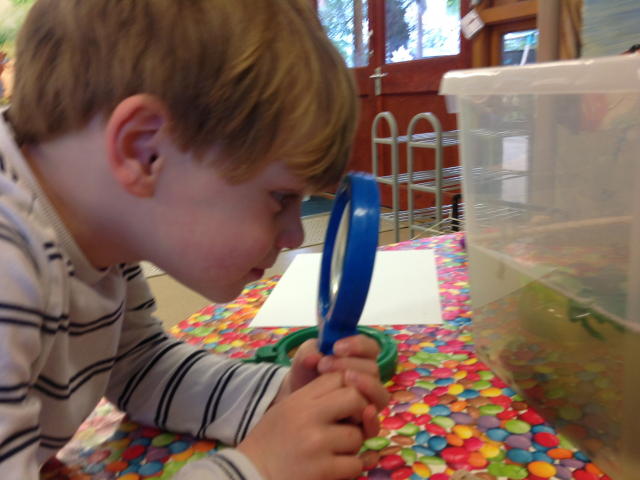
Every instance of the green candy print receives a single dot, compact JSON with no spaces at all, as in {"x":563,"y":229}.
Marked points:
{"x":444,"y":422}
{"x":515,"y":472}
{"x":376,"y":443}
{"x":409,"y":430}
{"x":432,"y":460}
{"x":517,"y":427}
{"x":408,"y":455}
{"x":491,"y":409}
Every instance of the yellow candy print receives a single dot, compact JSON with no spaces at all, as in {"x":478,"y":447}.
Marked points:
{"x":462,"y":431}
{"x":491,"y":392}
{"x":455,"y":389}
{"x":489,"y":451}
{"x":421,"y":469}
{"x":419,"y":408}
{"x":542,"y":469}
{"x":182,"y":456}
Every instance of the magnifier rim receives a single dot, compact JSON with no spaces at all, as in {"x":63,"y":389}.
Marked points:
{"x":340,"y":243}
{"x":360,"y":193}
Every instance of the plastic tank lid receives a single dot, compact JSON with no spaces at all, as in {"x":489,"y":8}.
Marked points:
{"x":604,"y":75}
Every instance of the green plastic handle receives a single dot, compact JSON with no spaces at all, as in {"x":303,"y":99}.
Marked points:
{"x":278,"y":353}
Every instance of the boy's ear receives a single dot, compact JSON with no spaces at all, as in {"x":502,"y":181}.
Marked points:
{"x":133,"y":143}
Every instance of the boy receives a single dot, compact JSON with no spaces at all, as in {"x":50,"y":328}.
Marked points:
{"x":184,"y":132}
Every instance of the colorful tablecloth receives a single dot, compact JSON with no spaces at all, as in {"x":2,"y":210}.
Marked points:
{"x":448,"y":411}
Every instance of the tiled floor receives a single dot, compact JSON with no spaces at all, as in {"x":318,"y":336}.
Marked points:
{"x":176,"y":302}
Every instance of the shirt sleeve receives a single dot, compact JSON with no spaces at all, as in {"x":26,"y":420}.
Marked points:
{"x":22,"y":324}
{"x":225,"y":465}
{"x":161,"y":381}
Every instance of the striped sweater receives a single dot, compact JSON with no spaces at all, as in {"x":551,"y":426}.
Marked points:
{"x":71,"y":334}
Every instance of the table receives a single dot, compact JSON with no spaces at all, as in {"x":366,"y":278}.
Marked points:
{"x":447,"y":410}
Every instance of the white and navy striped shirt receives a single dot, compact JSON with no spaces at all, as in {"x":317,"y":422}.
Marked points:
{"x":71,"y":334}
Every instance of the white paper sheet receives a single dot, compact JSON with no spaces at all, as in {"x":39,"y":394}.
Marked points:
{"x":404,"y":291}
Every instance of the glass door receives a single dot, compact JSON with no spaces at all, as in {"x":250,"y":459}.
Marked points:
{"x":399,"y":50}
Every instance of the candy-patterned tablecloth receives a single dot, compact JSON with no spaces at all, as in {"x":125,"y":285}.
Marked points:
{"x":448,"y":410}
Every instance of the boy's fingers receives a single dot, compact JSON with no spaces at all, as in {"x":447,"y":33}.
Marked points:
{"x":342,"y":404}
{"x":324,"y":385}
{"x":334,"y":364}
{"x":308,"y":355}
{"x":347,"y":439}
{"x":356,"y":346}
{"x":304,"y":366}
{"x":368,"y":386}
{"x":370,"y":422}
{"x":344,"y":466}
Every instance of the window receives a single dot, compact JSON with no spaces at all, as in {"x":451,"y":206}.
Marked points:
{"x":421,"y":29}
{"x":347,"y":25}
{"x":519,"y":48}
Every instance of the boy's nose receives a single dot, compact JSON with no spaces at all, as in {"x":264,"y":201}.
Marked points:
{"x":292,"y":234}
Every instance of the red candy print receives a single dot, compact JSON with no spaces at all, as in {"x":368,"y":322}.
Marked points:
{"x":584,"y":475}
{"x":507,"y":415}
{"x":150,"y":432}
{"x":535,"y":392}
{"x":391,"y":462}
{"x":439,"y":476}
{"x":473,"y":444}
{"x":133,"y":452}
{"x":395,"y":388}
{"x":468,"y":368}
{"x":423,"y":419}
{"x":501,"y":400}
{"x":499,"y":383}
{"x":442,"y":372}
{"x":531,"y":417}
{"x":393,"y":423}
{"x":434,"y":429}
{"x":408,"y":416}
{"x":402,"y":473}
{"x":430,"y":400}
{"x":439,"y":391}
{"x":546,"y":439}
{"x":455,"y":455}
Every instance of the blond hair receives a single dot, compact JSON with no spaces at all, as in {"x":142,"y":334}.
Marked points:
{"x":258,"y":78}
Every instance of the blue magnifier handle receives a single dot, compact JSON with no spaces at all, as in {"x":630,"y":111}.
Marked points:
{"x":348,"y":258}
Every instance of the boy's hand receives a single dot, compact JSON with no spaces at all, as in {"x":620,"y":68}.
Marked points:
{"x":355,"y":356}
{"x":301,"y":437}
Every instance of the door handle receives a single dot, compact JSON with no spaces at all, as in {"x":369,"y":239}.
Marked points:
{"x":377,"y":76}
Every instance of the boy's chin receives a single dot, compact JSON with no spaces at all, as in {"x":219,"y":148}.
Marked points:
{"x":224,"y":295}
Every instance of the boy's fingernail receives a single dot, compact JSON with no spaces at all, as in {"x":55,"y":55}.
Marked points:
{"x":325,"y":364}
{"x":340,"y":348}
{"x":351,"y":376}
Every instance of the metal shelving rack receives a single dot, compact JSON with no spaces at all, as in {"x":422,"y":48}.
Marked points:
{"x":434,"y":181}
{"x":392,"y":179}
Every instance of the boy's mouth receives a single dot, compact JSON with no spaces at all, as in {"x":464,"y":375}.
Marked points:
{"x":256,"y":272}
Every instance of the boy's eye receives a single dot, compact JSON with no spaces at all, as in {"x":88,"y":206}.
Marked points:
{"x":283,"y":198}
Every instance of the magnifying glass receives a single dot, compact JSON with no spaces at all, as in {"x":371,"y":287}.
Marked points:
{"x":348,"y":259}
{"x":345,"y":276}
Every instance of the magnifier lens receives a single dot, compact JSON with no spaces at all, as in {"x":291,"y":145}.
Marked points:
{"x":340,"y":246}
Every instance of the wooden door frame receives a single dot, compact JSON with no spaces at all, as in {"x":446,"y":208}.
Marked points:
{"x":498,"y":32}
{"x":513,"y":12}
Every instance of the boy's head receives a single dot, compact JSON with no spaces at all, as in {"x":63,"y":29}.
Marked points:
{"x":256,"y":79}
